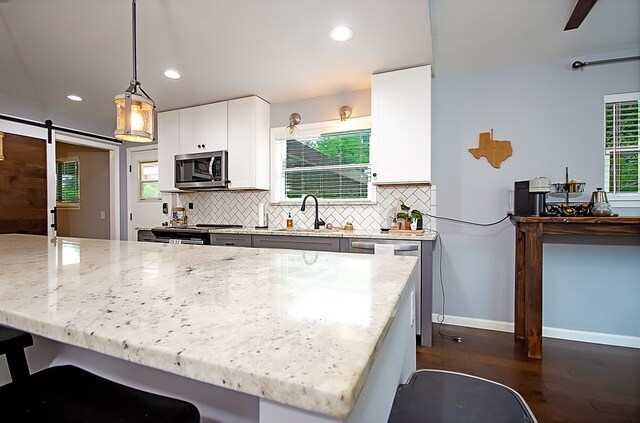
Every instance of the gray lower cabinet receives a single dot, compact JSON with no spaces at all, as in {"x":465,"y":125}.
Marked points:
{"x":310,"y":243}
{"x":423,"y":250}
{"x":231,"y":240}
{"x":146,"y":236}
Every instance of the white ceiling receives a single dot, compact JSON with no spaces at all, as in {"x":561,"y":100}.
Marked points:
{"x":277,"y":49}
{"x":472,"y":35}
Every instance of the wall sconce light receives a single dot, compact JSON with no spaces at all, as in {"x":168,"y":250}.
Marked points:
{"x":345,"y":113}
{"x":1,"y":147}
{"x":294,"y":119}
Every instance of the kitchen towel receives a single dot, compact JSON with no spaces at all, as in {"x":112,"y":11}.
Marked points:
{"x":383,"y":249}
{"x":261,"y":214}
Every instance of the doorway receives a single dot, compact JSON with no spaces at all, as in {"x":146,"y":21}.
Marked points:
{"x":144,"y":198}
{"x":82,"y":180}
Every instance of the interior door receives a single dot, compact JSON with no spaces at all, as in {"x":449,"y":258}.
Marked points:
{"x":145,"y":200}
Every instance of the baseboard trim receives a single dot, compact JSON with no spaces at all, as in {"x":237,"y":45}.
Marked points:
{"x":549,"y":332}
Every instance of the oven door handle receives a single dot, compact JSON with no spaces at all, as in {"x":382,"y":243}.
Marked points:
{"x":192,"y":241}
{"x":179,"y":241}
{"x":371,"y":246}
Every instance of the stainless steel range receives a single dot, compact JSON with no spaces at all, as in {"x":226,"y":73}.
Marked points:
{"x":193,"y":234}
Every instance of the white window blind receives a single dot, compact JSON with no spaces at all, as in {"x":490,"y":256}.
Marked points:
{"x":148,"y":177}
{"x":68,"y":181}
{"x":330,"y":166}
{"x":622,"y":149}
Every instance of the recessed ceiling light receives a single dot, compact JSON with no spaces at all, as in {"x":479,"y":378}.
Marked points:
{"x":341,"y":33}
{"x":74,"y":97}
{"x":171,"y":74}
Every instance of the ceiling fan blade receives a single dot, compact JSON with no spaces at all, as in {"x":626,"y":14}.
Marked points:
{"x":579,"y":13}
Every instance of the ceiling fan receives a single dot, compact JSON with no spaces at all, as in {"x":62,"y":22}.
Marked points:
{"x":580,"y":12}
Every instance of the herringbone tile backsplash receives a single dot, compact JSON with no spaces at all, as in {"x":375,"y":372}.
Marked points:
{"x":241,"y":207}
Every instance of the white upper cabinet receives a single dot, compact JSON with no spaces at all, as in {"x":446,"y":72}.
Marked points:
{"x":248,"y":135}
{"x":168,"y":137}
{"x":240,"y":127}
{"x":203,"y":128}
{"x":401,"y":126}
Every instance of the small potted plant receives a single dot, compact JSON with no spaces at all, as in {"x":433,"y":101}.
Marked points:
{"x":416,"y":216}
{"x":409,"y":219}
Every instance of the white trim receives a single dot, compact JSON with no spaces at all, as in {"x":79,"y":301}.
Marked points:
{"x":616,"y":98}
{"x":624,"y":199}
{"x":475,"y":323}
{"x":23,"y":129}
{"x":593,"y":337}
{"x":549,"y":332}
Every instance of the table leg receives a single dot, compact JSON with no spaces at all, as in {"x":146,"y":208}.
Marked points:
{"x":533,"y":290}
{"x":519,"y":284}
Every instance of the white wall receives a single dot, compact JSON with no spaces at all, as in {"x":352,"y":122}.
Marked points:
{"x":553,"y":118}
{"x":321,"y":109}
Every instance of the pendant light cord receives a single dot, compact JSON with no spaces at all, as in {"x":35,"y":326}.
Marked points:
{"x":135,"y":84}
{"x":134,"y":81}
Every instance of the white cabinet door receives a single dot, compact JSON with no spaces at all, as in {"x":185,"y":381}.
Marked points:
{"x":216,"y":127}
{"x":401,"y":126}
{"x":248,"y":137}
{"x":168,"y":138}
{"x":203,"y":128}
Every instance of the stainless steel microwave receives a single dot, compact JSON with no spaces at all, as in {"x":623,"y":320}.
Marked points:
{"x":201,"y":170}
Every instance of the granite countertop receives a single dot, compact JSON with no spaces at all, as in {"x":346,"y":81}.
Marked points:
{"x":296,"y":327}
{"x":335,"y":233}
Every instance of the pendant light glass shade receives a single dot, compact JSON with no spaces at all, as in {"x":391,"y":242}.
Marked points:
{"x":134,"y":118}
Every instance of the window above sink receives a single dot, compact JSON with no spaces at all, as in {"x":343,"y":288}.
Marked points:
{"x":328,"y":159}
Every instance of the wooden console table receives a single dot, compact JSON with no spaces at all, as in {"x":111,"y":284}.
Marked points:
{"x":528,"y":273}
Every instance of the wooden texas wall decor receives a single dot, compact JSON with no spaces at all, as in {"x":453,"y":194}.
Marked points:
{"x":495,"y":151}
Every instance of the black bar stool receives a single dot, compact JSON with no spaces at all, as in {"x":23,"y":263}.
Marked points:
{"x":12,"y":345}
{"x":437,"y":396}
{"x":72,"y":395}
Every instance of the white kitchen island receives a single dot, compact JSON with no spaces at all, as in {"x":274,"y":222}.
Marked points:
{"x":246,"y":334}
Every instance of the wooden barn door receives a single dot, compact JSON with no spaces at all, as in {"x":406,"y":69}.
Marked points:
{"x":23,"y":185}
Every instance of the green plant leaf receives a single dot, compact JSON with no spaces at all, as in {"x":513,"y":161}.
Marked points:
{"x":402,"y":215}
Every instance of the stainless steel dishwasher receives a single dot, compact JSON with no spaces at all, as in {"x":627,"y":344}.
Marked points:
{"x":400,"y":248}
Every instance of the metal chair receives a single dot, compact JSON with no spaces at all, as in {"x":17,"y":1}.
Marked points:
{"x":73,"y":395}
{"x":437,"y":396}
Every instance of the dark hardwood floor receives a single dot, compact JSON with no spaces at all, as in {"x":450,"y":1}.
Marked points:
{"x":574,"y":381}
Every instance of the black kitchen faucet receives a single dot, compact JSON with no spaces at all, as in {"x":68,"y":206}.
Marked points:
{"x":318,"y":222}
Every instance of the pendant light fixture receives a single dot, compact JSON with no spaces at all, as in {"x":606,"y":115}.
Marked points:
{"x":134,"y":110}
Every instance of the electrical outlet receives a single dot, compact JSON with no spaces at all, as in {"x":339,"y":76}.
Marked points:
{"x":191,"y":206}
{"x":103,"y":215}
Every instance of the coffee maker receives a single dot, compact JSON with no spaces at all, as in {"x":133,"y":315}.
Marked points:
{"x":530,"y":197}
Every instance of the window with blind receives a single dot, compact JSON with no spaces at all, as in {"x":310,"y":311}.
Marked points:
{"x":148,"y":177}
{"x":327,"y":159}
{"x":68,"y":182}
{"x":621,"y":142}
{"x":330,"y":166}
